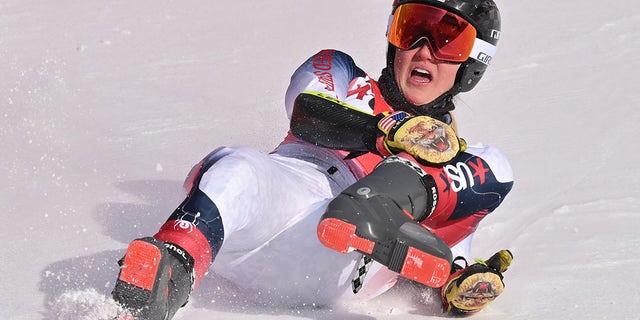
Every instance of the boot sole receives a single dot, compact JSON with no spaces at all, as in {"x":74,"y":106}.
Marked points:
{"x":408,"y":261}
{"x":135,"y":285}
{"x":137,"y":270}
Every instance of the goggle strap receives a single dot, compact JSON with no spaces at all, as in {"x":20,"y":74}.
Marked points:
{"x":483,"y":51}
{"x":389,"y":25}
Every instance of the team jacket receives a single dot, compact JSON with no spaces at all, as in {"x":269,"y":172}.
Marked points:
{"x":469,"y":187}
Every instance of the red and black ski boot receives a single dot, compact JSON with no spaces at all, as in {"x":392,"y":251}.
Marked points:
{"x":155,"y":280}
{"x":379,"y":216}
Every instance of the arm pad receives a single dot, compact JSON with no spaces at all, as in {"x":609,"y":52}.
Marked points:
{"x":329,"y":123}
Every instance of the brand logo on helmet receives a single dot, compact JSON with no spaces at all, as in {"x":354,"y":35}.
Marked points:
{"x":483,"y":51}
{"x":495,"y":34}
{"x":483,"y":57}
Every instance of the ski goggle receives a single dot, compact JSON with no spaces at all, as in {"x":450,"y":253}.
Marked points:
{"x":450,"y":37}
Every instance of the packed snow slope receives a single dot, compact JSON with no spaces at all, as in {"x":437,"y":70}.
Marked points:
{"x":105,"y":106}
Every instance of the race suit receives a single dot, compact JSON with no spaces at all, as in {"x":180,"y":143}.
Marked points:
{"x":252,"y":216}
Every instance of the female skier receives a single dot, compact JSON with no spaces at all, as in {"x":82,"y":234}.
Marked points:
{"x":371,"y":184}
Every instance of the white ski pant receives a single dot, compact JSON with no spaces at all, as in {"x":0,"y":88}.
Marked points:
{"x":270,"y":205}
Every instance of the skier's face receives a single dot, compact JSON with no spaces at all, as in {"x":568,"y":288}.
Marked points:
{"x":420,"y":76}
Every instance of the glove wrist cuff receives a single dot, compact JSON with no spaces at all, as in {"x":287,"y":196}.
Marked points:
{"x":382,"y":147}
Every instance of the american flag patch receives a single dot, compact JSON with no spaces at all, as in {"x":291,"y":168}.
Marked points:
{"x":389,"y":121}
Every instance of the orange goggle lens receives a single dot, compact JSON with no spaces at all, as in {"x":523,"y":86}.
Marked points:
{"x":449,"y":36}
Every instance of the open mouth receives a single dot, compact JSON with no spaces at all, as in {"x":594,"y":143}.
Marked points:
{"x":422,"y":74}
{"x":440,"y":144}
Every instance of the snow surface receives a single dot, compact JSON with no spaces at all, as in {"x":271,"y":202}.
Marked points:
{"x":105,"y":106}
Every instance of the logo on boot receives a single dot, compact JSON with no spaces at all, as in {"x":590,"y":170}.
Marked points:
{"x":185,"y":224}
